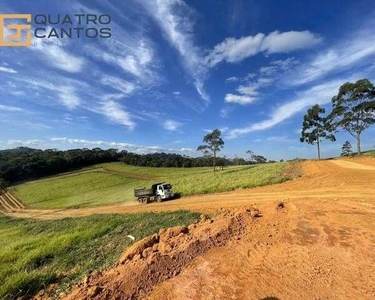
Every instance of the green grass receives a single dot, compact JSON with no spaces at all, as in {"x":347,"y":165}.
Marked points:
{"x":34,"y":254}
{"x":86,"y":189}
{"x":369,"y":153}
{"x":98,"y":188}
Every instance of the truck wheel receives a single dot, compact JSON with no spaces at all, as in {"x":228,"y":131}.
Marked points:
{"x":158,"y":198}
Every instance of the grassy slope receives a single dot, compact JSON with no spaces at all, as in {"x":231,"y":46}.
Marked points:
{"x":36,"y":253}
{"x":369,"y":153}
{"x":95,"y":188}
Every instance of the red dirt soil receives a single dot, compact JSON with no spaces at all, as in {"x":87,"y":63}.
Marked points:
{"x":317,"y":244}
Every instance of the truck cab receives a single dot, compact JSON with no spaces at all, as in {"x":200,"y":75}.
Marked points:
{"x":164,"y":191}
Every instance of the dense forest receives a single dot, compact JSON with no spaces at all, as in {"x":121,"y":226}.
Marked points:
{"x":24,"y":163}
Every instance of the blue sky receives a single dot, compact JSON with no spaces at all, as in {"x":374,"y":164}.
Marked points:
{"x":175,"y":69}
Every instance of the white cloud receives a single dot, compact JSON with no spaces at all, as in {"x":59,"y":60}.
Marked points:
{"x":280,"y":139}
{"x":34,"y":142}
{"x":284,"y":42}
{"x":235,"y":50}
{"x":116,"y":113}
{"x":17,"y":93}
{"x":66,"y":89}
{"x":10,"y":108}
{"x":249,"y":93}
{"x":171,"y":125}
{"x":355,"y":50}
{"x":100,"y":103}
{"x":121,"y":85}
{"x":57,"y":57}
{"x":269,"y":70}
{"x":7,"y":70}
{"x":250,"y":90}
{"x":232,"y":79}
{"x":320,"y":94}
{"x":133,"y":57}
{"x":239,"y":99}
{"x":285,"y":64}
{"x":186,"y":150}
{"x":250,"y":76}
{"x":68,"y":97}
{"x":173,"y":18}
{"x":176,"y":93}
{"x":268,"y":75}
{"x":121,"y":145}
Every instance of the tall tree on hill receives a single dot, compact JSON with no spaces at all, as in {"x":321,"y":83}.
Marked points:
{"x":259,"y":159}
{"x":315,"y":127}
{"x":251,"y":154}
{"x":354,"y":108}
{"x":346,"y":149}
{"x":213,"y":144}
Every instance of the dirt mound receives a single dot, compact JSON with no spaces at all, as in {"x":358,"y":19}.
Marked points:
{"x":314,"y":241}
{"x":162,"y":256}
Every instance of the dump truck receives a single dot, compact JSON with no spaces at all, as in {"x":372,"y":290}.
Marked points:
{"x":158,"y":191}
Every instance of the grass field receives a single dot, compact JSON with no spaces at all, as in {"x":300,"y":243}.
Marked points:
{"x":369,"y":153}
{"x":99,"y":188}
{"x":34,"y":254}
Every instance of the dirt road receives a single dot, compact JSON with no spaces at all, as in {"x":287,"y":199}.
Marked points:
{"x":318,"y":245}
{"x":342,"y":181}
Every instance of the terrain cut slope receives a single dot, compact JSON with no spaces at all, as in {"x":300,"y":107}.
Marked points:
{"x":317,"y":244}
{"x":345,"y":181}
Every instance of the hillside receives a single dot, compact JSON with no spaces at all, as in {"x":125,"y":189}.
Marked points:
{"x":112,"y":183}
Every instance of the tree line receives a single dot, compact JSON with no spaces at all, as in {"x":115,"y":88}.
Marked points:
{"x":21,"y":164}
{"x":353,"y":111}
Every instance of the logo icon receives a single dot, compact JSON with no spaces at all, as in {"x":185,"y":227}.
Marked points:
{"x":15,"y":39}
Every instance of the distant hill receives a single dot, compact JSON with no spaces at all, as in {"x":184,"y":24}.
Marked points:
{"x":23,"y":163}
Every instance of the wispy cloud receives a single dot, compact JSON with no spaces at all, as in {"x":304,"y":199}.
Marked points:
{"x":7,"y":70}
{"x":171,"y":125}
{"x":121,"y":145}
{"x":121,"y":85}
{"x":353,"y":50}
{"x":68,"y":97}
{"x":173,"y":18}
{"x":239,"y":99}
{"x":280,"y":139}
{"x":130,"y":51}
{"x":73,"y":94}
{"x":66,"y":89}
{"x":10,"y":108}
{"x":232,"y":79}
{"x":34,"y":142}
{"x":115,"y":113}
{"x":250,"y":90}
{"x":320,"y":94}
{"x":235,"y":50}
{"x":54,"y":54}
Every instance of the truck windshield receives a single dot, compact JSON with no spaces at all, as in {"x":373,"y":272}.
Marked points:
{"x":167,"y":186}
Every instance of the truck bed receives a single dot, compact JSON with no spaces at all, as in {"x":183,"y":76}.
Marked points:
{"x":143,"y":192}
